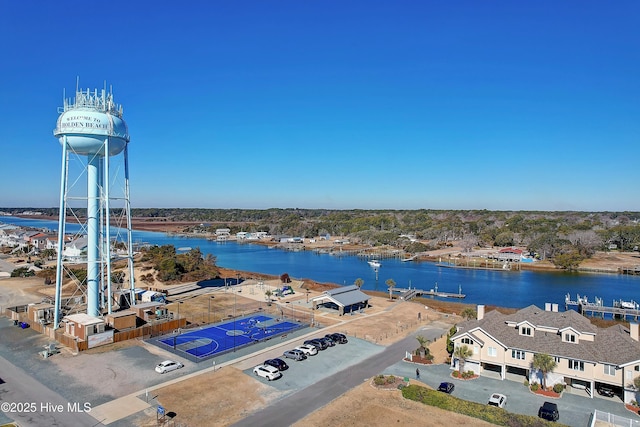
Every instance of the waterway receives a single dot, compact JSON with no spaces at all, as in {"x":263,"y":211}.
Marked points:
{"x":514,"y":289}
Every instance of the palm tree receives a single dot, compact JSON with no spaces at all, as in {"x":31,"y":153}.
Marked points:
{"x":358,"y":282}
{"x":268,"y":296}
{"x":544,"y":363}
{"x":469,"y":313}
{"x":462,"y":353}
{"x":423,"y":345}
{"x":391,"y":284}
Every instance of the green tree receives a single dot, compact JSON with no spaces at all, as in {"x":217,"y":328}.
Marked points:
{"x":568,"y":261}
{"x":358,"y":282}
{"x":462,"y":353}
{"x":469,"y":313}
{"x":452,"y":331}
{"x":391,"y":284}
{"x":636,"y":382}
{"x":544,"y":363}
{"x":267,"y":296}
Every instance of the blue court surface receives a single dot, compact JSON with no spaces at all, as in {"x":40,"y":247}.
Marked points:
{"x":204,"y":343}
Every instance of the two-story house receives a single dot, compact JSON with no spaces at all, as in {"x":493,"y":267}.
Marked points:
{"x":587,"y":357}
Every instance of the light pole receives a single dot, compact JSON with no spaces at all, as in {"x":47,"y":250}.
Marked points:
{"x":210,"y":298}
{"x":179,"y":303}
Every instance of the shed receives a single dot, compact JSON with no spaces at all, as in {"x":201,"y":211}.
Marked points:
{"x":121,"y":320}
{"x":345,"y":299}
{"x":81,"y":325}
{"x":149,"y":311}
{"x":41,"y":312}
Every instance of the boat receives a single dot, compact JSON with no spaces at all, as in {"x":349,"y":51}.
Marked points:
{"x":374,"y":263}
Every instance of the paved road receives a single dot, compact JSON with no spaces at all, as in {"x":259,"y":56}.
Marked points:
{"x":302,"y":403}
{"x":28,"y":402}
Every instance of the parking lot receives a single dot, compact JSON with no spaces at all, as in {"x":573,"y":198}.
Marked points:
{"x":575,"y":410}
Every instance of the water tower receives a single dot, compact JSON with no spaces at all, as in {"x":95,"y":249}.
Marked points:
{"x":94,"y":139}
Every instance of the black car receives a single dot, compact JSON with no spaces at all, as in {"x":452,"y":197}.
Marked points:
{"x":337,"y":338}
{"x":320,"y":345}
{"x":446,"y":387}
{"x":549,"y":411}
{"x":279,"y":364}
{"x":605,"y":391}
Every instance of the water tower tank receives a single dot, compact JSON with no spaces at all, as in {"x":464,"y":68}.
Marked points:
{"x":88,"y":120}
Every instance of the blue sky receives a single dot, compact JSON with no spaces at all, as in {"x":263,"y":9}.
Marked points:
{"x":499,"y":105}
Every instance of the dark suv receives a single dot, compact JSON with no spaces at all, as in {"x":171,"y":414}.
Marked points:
{"x":279,"y":364}
{"x":549,"y":411}
{"x":328,"y":341}
{"x":337,"y":338}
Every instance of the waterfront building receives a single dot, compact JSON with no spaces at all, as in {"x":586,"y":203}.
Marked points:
{"x":588,"y":358}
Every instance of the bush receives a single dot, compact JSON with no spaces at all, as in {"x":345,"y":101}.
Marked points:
{"x":456,"y":374}
{"x":468,"y":374}
{"x":526,"y":382}
{"x":379,"y":380}
{"x":558,"y":388}
{"x":535,"y":387}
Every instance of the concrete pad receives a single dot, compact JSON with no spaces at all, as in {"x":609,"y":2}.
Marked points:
{"x":118,"y":409}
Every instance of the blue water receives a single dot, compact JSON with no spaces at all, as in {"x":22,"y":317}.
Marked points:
{"x":502,"y":288}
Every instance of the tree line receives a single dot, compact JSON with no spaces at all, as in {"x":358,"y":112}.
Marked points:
{"x":567,"y":237}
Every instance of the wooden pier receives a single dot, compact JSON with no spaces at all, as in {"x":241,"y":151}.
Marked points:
{"x":409,"y":293}
{"x":619,"y":310}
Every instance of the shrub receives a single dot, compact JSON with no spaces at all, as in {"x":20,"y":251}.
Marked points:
{"x":558,"y":388}
{"x":526,"y":382}
{"x":467,"y":374}
{"x":535,"y":387}
{"x":379,"y":380}
{"x":455,"y":374}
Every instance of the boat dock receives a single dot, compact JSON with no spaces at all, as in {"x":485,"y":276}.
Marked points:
{"x":409,"y":293}
{"x":620,"y":309}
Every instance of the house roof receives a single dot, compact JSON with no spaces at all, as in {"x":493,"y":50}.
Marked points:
{"x":510,"y":251}
{"x":612,"y":345}
{"x":84,"y":319}
{"x":345,"y":295}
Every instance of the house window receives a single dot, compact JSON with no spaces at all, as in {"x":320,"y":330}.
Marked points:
{"x":517,"y":354}
{"x":556,"y":359}
{"x":637,"y":367}
{"x":467,"y":341}
{"x":492,"y":352}
{"x":576,"y":365}
{"x":525,"y":331}
{"x":569,"y":338}
{"x":609,"y":370}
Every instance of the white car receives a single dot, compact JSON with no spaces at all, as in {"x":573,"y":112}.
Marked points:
{"x":498,"y":400}
{"x":308,"y":349}
{"x":168,"y":366}
{"x":267,"y":371}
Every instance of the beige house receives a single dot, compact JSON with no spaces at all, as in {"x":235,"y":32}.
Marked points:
{"x":587,"y":357}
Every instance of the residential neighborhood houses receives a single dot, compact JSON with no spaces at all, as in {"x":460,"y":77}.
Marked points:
{"x":587,"y":357}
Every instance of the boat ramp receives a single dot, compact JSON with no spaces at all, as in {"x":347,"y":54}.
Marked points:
{"x":620,"y":308}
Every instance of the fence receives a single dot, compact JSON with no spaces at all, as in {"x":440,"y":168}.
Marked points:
{"x":605,"y":419}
